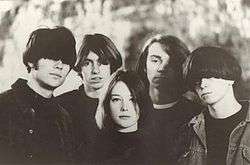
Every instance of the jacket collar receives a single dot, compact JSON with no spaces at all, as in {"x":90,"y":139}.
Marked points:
{"x":198,"y":123}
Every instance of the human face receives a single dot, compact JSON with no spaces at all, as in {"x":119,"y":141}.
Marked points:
{"x":94,"y":73}
{"x":212,"y":90}
{"x":159,"y":72}
{"x":123,"y":108}
{"x":49,"y":73}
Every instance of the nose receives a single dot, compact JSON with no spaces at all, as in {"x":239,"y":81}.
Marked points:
{"x":204,"y":83}
{"x":162,"y":66}
{"x":59,"y":64}
{"x":96,"y":68}
{"x":124,"y":106}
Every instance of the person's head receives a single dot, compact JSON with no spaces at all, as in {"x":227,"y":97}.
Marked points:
{"x":125,"y":102}
{"x":50,"y":54}
{"x":211,"y":73}
{"x":160,"y":63}
{"x":98,"y":59}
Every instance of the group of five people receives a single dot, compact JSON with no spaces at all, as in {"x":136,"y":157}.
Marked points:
{"x":119,"y":116}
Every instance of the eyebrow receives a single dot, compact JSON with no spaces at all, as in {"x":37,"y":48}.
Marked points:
{"x":155,"y":56}
{"x":115,"y":95}
{"x":120,"y":95}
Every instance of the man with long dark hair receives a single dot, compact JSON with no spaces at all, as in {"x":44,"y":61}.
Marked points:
{"x":161,"y":67}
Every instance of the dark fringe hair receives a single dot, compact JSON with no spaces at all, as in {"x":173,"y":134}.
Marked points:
{"x":50,"y":43}
{"x":103,"y":47}
{"x":207,"y":62}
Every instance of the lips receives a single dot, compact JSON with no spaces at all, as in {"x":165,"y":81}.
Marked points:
{"x":96,"y":79}
{"x":56,"y":75}
{"x":160,"y":76}
{"x":205,"y":94}
{"x":124,"y":117}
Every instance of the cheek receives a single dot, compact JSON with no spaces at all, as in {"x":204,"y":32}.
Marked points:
{"x":114,"y":108}
{"x":85,"y":72}
{"x":105,"y":70}
{"x":66,"y":70}
{"x":151,"y":67}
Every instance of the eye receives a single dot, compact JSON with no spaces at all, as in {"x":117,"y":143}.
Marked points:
{"x":115,"y":99}
{"x":86,"y":63}
{"x":155,"y":60}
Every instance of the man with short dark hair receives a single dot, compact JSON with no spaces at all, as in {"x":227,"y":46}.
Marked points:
{"x":98,"y":59}
{"x":220,"y":134}
{"x":34,"y":128}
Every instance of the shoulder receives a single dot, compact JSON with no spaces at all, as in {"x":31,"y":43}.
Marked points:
{"x":69,"y":94}
{"x":193,"y":106}
{"x":7,"y":97}
{"x":68,"y":97}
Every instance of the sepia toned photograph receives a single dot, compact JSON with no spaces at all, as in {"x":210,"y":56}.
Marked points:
{"x":124,"y":82}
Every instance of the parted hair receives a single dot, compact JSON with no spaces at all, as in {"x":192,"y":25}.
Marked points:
{"x":56,"y":43}
{"x":138,"y":91}
{"x":103,"y":47}
{"x":173,"y":46}
{"x":209,"y":61}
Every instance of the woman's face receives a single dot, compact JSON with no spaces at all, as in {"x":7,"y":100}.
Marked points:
{"x":123,"y":107}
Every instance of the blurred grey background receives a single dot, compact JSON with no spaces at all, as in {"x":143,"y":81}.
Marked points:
{"x":128,"y":23}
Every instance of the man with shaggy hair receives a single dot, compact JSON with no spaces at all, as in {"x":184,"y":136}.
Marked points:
{"x":34,"y":128}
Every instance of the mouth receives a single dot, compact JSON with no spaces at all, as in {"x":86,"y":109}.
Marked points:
{"x":205,"y":94}
{"x":56,"y":75}
{"x":124,"y":117}
{"x":160,"y":76}
{"x":96,"y":79}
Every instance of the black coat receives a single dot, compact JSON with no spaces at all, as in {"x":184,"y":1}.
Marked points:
{"x":33,"y":129}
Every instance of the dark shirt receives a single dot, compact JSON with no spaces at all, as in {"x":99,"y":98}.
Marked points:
{"x":38,"y":129}
{"x":217,"y":134}
{"x":82,"y":110}
{"x":167,"y":123}
{"x":116,"y":148}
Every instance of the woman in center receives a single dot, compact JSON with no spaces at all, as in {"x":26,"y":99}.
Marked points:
{"x":124,"y":119}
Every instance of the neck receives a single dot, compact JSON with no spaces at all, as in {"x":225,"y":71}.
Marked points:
{"x":160,"y":97}
{"x":226,"y":107}
{"x":164,"y":106}
{"x":92,"y":93}
{"x":133,"y":128}
{"x":35,"y":86}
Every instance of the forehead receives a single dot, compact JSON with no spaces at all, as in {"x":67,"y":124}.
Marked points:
{"x":217,"y":80}
{"x":92,"y":56}
{"x":156,"y":49}
{"x":121,"y":89}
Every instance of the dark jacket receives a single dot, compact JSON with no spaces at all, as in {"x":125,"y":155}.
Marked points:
{"x":238,"y":149}
{"x":33,"y":129}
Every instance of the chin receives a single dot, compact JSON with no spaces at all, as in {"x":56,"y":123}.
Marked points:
{"x":97,"y":86}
